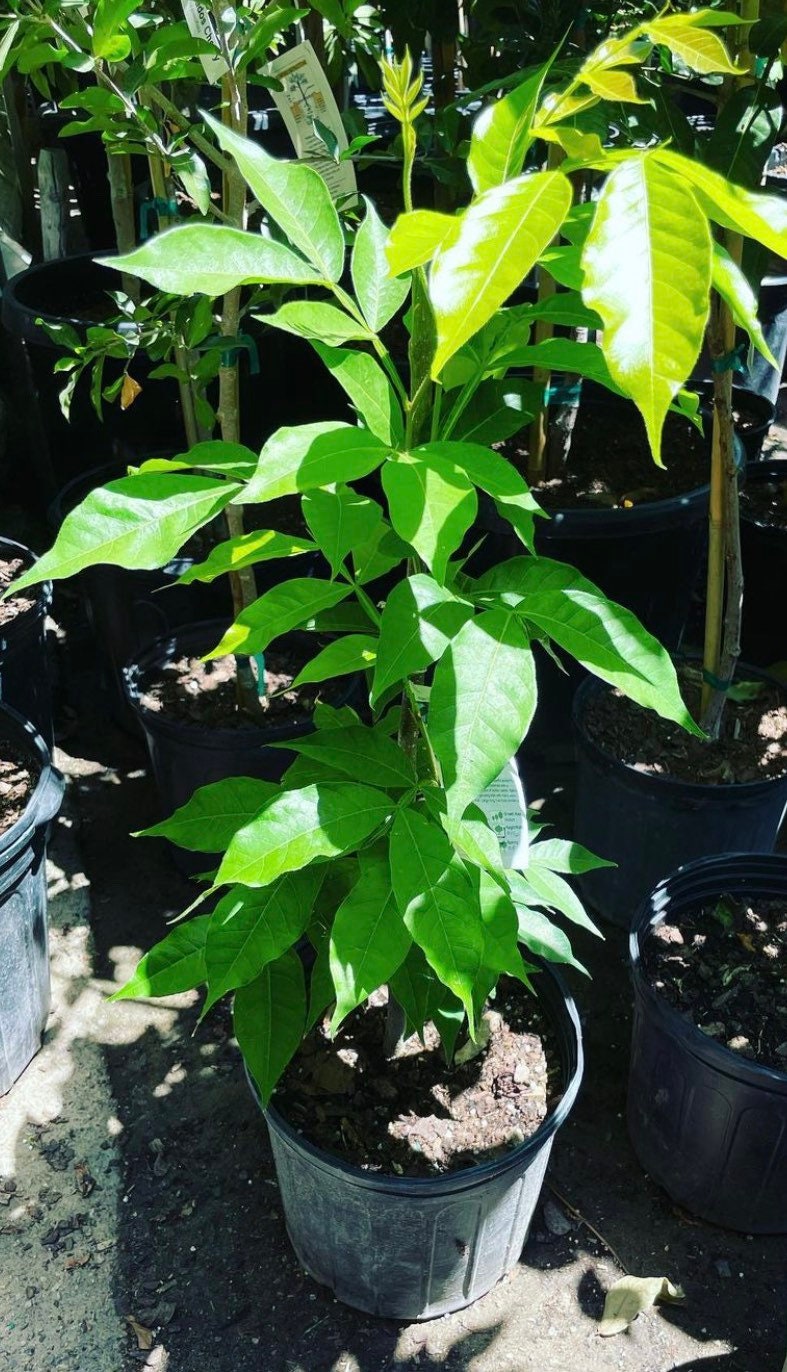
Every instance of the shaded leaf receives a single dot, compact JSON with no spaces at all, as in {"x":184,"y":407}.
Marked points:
{"x":269,"y":1017}
{"x":208,"y":820}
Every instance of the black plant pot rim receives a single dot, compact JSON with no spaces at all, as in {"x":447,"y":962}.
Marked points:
{"x":251,"y":736}
{"x":19,"y":316}
{"x":765,"y":469}
{"x":651,"y":781}
{"x":28,"y":620}
{"x":467,"y":1178}
{"x":689,"y":886}
{"x":47,"y":794}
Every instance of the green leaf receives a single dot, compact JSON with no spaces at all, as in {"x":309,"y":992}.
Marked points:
{"x":294,"y":195}
{"x":340,"y":519}
{"x":309,"y":455}
{"x":569,"y":355}
{"x":109,"y":17}
{"x":230,"y":459}
{"x":279,"y":610}
{"x":298,"y":826}
{"x":419,"y":620}
{"x":174,"y":965}
{"x":503,"y":132}
{"x":359,"y":752}
{"x":379,"y":554}
{"x":419,"y":992}
{"x":353,"y":653}
{"x":702,"y":51}
{"x":501,"y":236}
{"x":316,"y":319}
{"x":249,"y":929}
{"x":417,"y":236}
{"x":732,"y":286}
{"x":757,"y":216}
{"x":246,"y":551}
{"x":498,"y":410}
{"x":432,"y":505}
{"x":269,"y":1018}
{"x":212,"y":259}
{"x":437,"y":902}
{"x":501,"y":936}
{"x":495,"y":475}
{"x":563,"y":855}
{"x":369,"y":940}
{"x":604,"y":637}
{"x":196,"y":181}
{"x":210,"y":818}
{"x":379,"y":295}
{"x":647,"y":263}
{"x":543,"y":938}
{"x":554,"y":892}
{"x":136,"y":522}
{"x":369,"y":389}
{"x":482,"y":702}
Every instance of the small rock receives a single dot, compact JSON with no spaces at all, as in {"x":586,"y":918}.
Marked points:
{"x":714,"y":1030}
{"x":521,"y":1072}
{"x":556,"y":1220}
{"x":723,"y":1267}
{"x":740,"y":1044}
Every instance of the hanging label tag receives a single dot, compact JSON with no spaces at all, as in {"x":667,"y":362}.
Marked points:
{"x":201,"y":24}
{"x":505,"y":809}
{"x":306,"y":97}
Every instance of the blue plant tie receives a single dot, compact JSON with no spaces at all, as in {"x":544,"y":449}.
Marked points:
{"x":715,"y":681}
{"x":730,"y":362}
{"x":563,"y":395}
{"x":259,"y":661}
{"x":230,"y":347}
{"x":159,"y":208}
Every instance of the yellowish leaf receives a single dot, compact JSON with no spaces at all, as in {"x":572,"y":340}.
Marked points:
{"x":129,"y":391}
{"x":145,"y":1337}
{"x":630,"y":1297}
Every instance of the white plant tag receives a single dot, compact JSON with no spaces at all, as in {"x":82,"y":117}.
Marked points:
{"x":307,"y":96}
{"x":505,"y":808}
{"x":201,"y":24}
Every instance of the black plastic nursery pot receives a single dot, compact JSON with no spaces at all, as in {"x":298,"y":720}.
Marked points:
{"x":129,"y":610}
{"x":413,"y":1248}
{"x":74,"y":291}
{"x":651,"y":825}
{"x":24,"y":667}
{"x":186,"y":756}
{"x":24,"y":949}
{"x":707,"y":1124}
{"x":764,"y":550}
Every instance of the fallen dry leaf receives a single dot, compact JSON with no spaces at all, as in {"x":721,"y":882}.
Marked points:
{"x":145,"y":1337}
{"x":77,"y":1260}
{"x":129,"y":391}
{"x":630,"y":1296}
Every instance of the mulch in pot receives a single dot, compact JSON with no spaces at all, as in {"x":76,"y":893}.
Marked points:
{"x":203,"y":693}
{"x":10,"y":569}
{"x":17,"y":783}
{"x":724,"y":967}
{"x":610,"y":465}
{"x":412,"y":1115}
{"x":752,"y":745}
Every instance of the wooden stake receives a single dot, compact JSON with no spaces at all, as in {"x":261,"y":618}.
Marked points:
{"x":54,"y":190}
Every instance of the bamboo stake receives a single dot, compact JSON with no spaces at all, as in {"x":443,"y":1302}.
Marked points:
{"x":724,"y":593}
{"x":121,"y":194}
{"x":537,"y":445}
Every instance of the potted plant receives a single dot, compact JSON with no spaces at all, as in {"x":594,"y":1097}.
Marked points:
{"x":707,"y":1101}
{"x":31,"y":794}
{"x":376,"y":848}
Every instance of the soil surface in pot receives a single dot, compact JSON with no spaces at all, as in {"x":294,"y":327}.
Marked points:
{"x":411,"y":1115}
{"x":10,"y":569}
{"x":752,"y":746}
{"x":765,"y":502}
{"x":610,"y":464}
{"x":203,"y":693}
{"x":17,"y":783}
{"x":725,"y":968}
